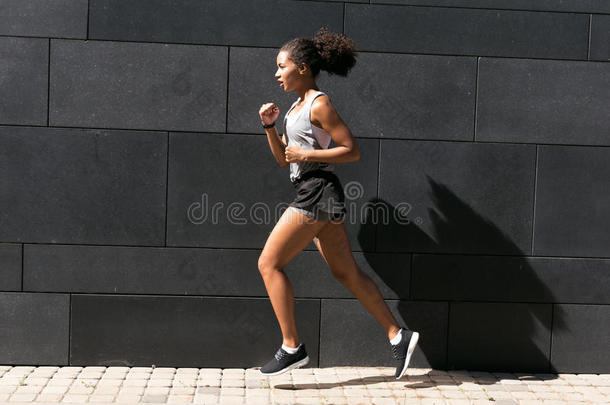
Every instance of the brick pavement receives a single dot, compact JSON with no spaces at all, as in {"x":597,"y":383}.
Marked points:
{"x":333,"y":385}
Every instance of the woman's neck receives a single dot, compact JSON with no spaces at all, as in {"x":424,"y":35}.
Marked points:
{"x":304,"y":94}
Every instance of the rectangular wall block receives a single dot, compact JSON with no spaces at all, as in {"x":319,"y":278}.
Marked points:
{"x":408,"y":96}
{"x":225,"y":190}
{"x":577,"y":6}
{"x":49,"y":18}
{"x":600,"y":38}
{"x":455,"y":197}
{"x":34,"y":328}
{"x":218,"y":22}
{"x":182,"y":331}
{"x":142,"y":270}
{"x":511,"y":279}
{"x":82,"y":186}
{"x":580,"y":338}
{"x":24,"y":64}
{"x":499,"y":336}
{"x":138,"y":86}
{"x":458,"y":31}
{"x":543,"y":101}
{"x":10,"y":267}
{"x":572,"y":202}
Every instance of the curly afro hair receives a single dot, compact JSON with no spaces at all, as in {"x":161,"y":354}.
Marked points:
{"x":329,"y":51}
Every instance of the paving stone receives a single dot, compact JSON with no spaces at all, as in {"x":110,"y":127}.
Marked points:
{"x":514,"y":388}
{"x":80,"y":398}
{"x":154,"y":398}
{"x":182,"y":391}
{"x":433,"y":401}
{"x":430,"y":393}
{"x":180,"y":399}
{"x":496,"y":387}
{"x":156,"y":391}
{"x":128,"y":398}
{"x":454,"y":394}
{"x":232,"y":383}
{"x":384,"y":401}
{"x":477,"y":394}
{"x":109,"y":384}
{"x":160,"y":382}
{"x":47,"y":398}
{"x":522,"y":395}
{"x":231,"y":400}
{"x":28,"y":389}
{"x":499,"y":395}
{"x":60,"y":382}
{"x":137,"y":376}
{"x":106,"y":390}
{"x":135,"y":383}
{"x":547,"y":395}
{"x":101,"y":398}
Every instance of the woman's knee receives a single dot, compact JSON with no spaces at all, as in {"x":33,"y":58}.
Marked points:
{"x":267,"y":265}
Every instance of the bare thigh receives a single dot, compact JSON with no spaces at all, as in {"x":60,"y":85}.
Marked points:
{"x":333,"y":243}
{"x":291,"y":234}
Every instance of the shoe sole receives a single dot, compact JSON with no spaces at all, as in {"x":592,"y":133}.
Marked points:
{"x":412,"y":344}
{"x":298,"y":364}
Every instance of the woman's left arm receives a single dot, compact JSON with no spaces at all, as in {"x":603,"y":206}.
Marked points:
{"x":324,"y":113}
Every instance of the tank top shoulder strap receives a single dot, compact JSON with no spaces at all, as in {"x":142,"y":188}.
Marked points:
{"x":320,"y":93}
{"x":310,"y":104}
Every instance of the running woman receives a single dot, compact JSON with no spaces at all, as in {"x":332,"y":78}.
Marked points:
{"x":318,"y":210}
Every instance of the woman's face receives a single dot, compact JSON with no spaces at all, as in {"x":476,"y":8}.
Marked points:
{"x":287,"y":73}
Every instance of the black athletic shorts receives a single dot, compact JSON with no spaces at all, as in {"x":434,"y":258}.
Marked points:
{"x":319,"y":195}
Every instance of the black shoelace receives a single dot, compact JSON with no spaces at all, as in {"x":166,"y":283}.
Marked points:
{"x":396,"y":352}
{"x":280,"y":354}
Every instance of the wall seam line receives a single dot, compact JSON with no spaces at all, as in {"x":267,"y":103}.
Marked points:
{"x":319,"y":331}
{"x":22,"y":260}
{"x":69,"y":327}
{"x":534,"y":202}
{"x":166,"y":186}
{"x":589,"y":38}
{"x":227,"y":95}
{"x":551,"y":337}
{"x":411,"y":277}
{"x":476,"y":99}
{"x":376,"y":225}
{"x":88,"y":10}
{"x":49,"y":82}
{"x":448,"y":332}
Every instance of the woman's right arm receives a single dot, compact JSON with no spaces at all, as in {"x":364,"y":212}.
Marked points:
{"x":269,"y":113}
{"x":277,"y":145}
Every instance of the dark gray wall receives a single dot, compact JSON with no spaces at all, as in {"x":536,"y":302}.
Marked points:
{"x":123,"y":123}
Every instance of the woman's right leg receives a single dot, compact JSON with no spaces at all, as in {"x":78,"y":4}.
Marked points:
{"x":292,"y":233}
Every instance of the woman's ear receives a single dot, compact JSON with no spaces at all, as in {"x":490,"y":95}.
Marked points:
{"x":302,"y":68}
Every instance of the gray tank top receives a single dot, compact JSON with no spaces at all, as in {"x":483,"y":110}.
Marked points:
{"x":301,"y":132}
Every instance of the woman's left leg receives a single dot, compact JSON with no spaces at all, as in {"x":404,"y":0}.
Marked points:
{"x":333,"y":243}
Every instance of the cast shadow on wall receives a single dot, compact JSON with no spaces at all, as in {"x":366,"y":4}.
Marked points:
{"x":500,"y":313}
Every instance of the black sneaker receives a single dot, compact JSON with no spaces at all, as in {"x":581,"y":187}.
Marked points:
{"x":403,"y":350}
{"x":284,"y":361}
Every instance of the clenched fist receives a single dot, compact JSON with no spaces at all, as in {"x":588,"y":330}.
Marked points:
{"x":296,"y":154}
{"x":268,"y":113}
